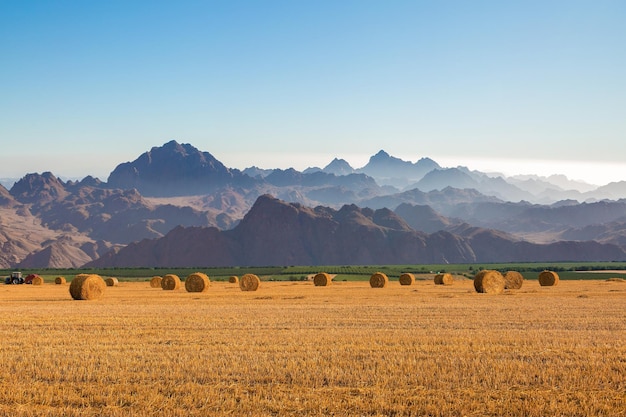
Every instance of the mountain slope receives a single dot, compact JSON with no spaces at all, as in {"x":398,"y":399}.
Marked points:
{"x":274,"y":232}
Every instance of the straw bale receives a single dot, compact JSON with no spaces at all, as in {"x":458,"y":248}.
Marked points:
{"x":513,"y":280}
{"x":87,"y":287}
{"x":378,"y":280}
{"x":489,"y":282}
{"x":197,"y":282}
{"x":249,"y":282}
{"x":322,"y":279}
{"x":155,"y":282}
{"x":233,"y":279}
{"x":37,"y":280}
{"x":60,"y":280}
{"x":170,"y":282}
{"x":548,"y":278}
{"x":444,"y":279}
{"x":112,"y":282}
{"x":407,"y":279}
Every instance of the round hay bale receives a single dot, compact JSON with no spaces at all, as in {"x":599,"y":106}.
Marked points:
{"x":489,"y":282}
{"x":60,"y":280}
{"x":322,"y":279}
{"x":112,"y":282}
{"x":444,"y":279}
{"x":407,"y":279}
{"x":155,"y":282}
{"x":513,"y":280}
{"x":378,"y":280}
{"x":170,"y":282}
{"x":37,"y":280}
{"x":548,"y":278}
{"x":87,"y":287}
{"x":233,"y":280}
{"x":249,"y":282}
{"x":197,"y":282}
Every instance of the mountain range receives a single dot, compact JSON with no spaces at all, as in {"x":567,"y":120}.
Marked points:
{"x":178,"y":206}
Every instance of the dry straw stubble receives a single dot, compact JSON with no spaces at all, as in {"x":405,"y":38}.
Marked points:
{"x":548,"y":278}
{"x":444,"y":279}
{"x":378,"y":280}
{"x":197,"y":282}
{"x":489,"y":282}
{"x":87,"y":287}
{"x":249,"y":282}
{"x":513,"y":280}
{"x":407,"y":279}
{"x":322,"y":279}
{"x":170,"y":282}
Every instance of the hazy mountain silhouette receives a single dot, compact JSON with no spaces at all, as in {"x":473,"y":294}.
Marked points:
{"x":275,"y":232}
{"x":46,"y":221}
{"x":176,"y":169}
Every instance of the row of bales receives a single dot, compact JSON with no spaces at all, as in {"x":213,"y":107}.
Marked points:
{"x":200,"y":282}
{"x":494,"y":282}
{"x":92,"y":286}
{"x":486,"y":281}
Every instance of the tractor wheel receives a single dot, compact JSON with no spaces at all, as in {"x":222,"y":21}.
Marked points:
{"x":16,"y":280}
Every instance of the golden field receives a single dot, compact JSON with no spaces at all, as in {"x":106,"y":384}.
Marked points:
{"x":293,"y":349}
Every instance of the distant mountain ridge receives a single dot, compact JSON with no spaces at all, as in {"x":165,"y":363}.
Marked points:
{"x":275,"y":232}
{"x":46,"y":222}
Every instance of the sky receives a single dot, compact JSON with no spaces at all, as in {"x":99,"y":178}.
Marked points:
{"x":519,"y":87}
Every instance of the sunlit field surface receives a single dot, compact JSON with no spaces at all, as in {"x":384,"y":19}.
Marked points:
{"x":291,"y":348}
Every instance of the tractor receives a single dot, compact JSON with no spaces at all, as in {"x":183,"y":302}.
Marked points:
{"x":15,"y":278}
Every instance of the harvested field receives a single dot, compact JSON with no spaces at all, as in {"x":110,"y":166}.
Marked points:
{"x":291,"y":348}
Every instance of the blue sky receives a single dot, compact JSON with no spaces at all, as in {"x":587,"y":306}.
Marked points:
{"x":524,"y":86}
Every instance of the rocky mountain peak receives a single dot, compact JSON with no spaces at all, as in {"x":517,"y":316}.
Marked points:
{"x":175,"y":169}
{"x":338,"y":167}
{"x":39,"y":189}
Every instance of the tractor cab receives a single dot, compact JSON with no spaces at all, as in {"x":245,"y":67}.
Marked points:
{"x":15,"y":278}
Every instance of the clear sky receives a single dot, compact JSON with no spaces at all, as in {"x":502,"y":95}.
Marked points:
{"x":531,"y":86}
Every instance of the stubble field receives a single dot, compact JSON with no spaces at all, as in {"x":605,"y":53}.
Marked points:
{"x":294,"y":349}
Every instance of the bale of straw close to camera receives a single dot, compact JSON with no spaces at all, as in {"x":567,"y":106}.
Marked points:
{"x":444,"y":279}
{"x":407,"y":279}
{"x":233,"y":279}
{"x":513,"y":280}
{"x":378,"y":280}
{"x":37,"y":280}
{"x":322,"y":279}
{"x":548,"y":278}
{"x":489,"y":282}
{"x":155,"y":281}
{"x":112,"y":282}
{"x":197,"y":282}
{"x":249,"y":282}
{"x":170,"y":282}
{"x":87,"y":287}
{"x":60,"y":280}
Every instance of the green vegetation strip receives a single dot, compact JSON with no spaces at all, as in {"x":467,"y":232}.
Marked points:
{"x":566,"y":271}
